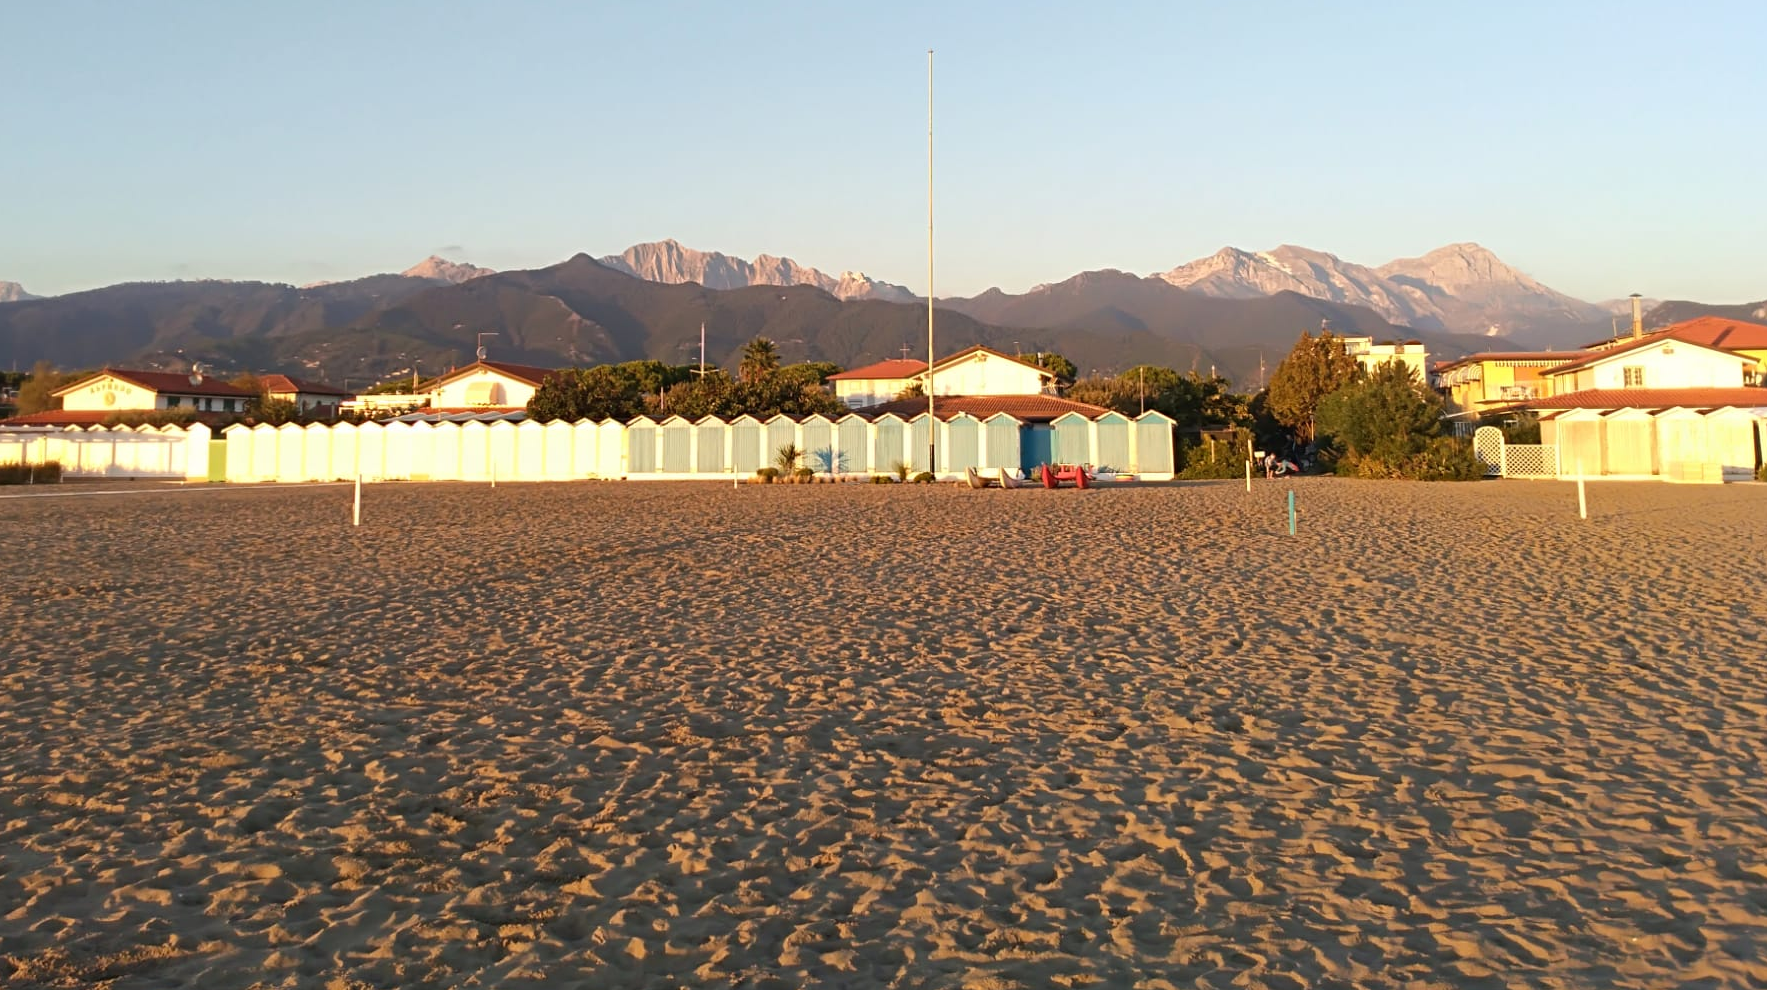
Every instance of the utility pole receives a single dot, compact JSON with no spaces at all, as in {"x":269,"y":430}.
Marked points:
{"x":932,"y":423}
{"x":702,"y":350}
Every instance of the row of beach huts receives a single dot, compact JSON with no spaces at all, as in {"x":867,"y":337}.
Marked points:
{"x":511,"y":449}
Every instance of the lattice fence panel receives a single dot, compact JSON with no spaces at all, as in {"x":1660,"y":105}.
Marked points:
{"x":1488,"y":447}
{"x":1530,"y":460}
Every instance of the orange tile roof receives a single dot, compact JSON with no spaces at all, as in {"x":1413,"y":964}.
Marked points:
{"x":1716,"y":331}
{"x":1651,"y":398}
{"x":894,"y":368}
{"x":1025,"y":408}
{"x":283,"y":384}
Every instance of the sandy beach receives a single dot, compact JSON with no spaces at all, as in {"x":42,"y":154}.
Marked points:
{"x":663,"y":735}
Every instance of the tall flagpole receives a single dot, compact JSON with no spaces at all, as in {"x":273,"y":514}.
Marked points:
{"x":932,"y":424}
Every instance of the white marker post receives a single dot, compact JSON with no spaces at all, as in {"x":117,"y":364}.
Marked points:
{"x":1582,"y":502}
{"x":356,"y":510}
{"x":1248,"y":475}
{"x":493,"y":470}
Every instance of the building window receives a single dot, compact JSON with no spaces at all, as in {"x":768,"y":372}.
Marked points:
{"x":1634,"y":376}
{"x":173,"y":402}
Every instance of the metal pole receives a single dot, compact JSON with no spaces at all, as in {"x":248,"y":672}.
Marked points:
{"x":932,"y":424}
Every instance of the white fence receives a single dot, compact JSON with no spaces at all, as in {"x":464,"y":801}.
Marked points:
{"x":531,"y":451}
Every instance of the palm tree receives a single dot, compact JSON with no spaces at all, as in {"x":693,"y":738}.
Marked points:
{"x":787,"y":458}
{"x":759,"y":358}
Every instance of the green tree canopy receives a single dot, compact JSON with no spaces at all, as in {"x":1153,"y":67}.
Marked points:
{"x":760,"y":357}
{"x":1056,"y":365}
{"x":34,"y":393}
{"x":603,"y":392}
{"x":1387,"y":416}
{"x":1191,"y":400}
{"x":1315,"y":368}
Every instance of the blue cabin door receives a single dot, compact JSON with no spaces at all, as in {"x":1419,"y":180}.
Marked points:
{"x":1036,"y":448}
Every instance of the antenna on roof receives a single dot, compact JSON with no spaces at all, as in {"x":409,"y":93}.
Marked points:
{"x":196,"y":372}
{"x":482,"y":336}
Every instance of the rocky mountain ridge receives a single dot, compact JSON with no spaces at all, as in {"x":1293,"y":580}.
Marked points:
{"x":1457,"y":288}
{"x":14,"y":292}
{"x":672,"y":263}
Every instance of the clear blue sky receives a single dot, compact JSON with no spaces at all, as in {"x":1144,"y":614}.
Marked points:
{"x":1603,"y":147}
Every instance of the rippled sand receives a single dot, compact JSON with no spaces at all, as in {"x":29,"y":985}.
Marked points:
{"x":663,"y":735}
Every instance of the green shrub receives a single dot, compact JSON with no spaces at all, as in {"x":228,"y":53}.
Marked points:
{"x":902,"y":469}
{"x":1444,"y":459}
{"x":767,"y":474}
{"x":25,"y":474}
{"x":924,"y":478}
{"x":1761,"y":473}
{"x":804,"y":473}
{"x":1203,"y":469}
{"x":882,"y":479}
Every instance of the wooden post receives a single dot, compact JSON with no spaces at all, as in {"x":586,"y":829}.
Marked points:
{"x":1582,"y":502}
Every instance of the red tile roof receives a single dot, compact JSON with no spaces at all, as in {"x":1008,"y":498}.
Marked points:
{"x":894,"y":368}
{"x":284,"y":384}
{"x":1652,"y":398}
{"x":164,"y":383}
{"x":1716,"y":331}
{"x":1025,"y":408}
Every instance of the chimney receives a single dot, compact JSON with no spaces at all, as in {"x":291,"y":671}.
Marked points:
{"x":1637,"y":316}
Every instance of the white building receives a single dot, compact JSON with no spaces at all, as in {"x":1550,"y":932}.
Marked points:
{"x":1658,"y":362}
{"x":308,"y":397}
{"x":972,"y":371}
{"x":488,"y":385}
{"x":1411,"y":353}
{"x":117,"y":390}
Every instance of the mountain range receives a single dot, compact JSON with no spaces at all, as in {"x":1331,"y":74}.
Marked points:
{"x":1235,"y":311}
{"x":668,"y":261}
{"x":13,"y":292}
{"x":1460,"y":288}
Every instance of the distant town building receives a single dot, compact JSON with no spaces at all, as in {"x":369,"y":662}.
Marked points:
{"x":974,"y":371}
{"x":1411,"y":353}
{"x":489,"y":385}
{"x":309,"y":397}
{"x":119,"y":390}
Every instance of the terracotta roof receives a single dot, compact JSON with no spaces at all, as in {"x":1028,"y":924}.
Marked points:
{"x":1522,"y":357}
{"x":893,"y":368}
{"x":282,"y":384}
{"x":1651,"y":398}
{"x":1025,"y":408}
{"x":1597,"y":357}
{"x":1716,"y":331}
{"x":521,"y":372}
{"x":94,"y":417}
{"x":162,"y":382}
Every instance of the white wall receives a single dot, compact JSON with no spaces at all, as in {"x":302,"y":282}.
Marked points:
{"x":1672,"y":364}
{"x":106,"y":393}
{"x":987,"y":374}
{"x":503,"y":390}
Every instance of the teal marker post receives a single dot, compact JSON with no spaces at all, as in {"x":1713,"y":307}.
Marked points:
{"x":1291,"y":512}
